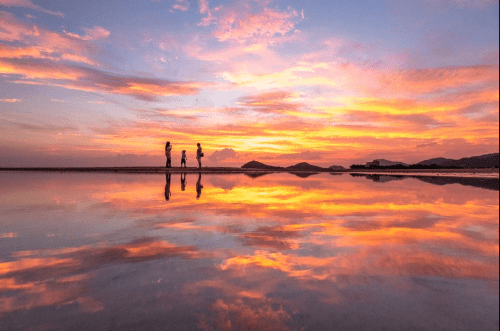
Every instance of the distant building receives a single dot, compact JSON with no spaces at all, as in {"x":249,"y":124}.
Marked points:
{"x":374,"y":163}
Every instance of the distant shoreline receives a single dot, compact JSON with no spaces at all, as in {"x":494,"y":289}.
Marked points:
{"x":474,"y":173}
{"x":477,"y":172}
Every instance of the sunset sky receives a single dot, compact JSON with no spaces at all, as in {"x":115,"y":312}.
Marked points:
{"x":107,"y":83}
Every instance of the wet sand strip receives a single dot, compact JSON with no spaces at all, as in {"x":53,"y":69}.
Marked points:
{"x":473,"y":173}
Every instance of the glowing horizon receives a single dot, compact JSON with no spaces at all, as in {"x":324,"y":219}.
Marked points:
{"x":280,"y":82}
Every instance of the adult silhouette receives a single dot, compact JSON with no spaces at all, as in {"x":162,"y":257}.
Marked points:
{"x":167,"y":186}
{"x":199,"y":154}
{"x":168,"y":154}
{"x":183,"y":181}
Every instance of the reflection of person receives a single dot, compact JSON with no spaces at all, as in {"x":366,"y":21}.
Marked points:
{"x":183,"y":158}
{"x":198,"y":186}
{"x":167,"y":187}
{"x":168,"y":154}
{"x":199,"y":154}
{"x":183,"y":181}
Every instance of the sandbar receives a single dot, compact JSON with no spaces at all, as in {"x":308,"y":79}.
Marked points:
{"x":472,"y":173}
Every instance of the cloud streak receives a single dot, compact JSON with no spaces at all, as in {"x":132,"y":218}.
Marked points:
{"x":75,"y":77}
{"x":10,"y":100}
{"x":94,"y":33}
{"x":30,"y":5}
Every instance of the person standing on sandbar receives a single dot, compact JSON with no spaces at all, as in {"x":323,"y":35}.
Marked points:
{"x":199,"y":154}
{"x":183,"y":158}
{"x":168,"y":154}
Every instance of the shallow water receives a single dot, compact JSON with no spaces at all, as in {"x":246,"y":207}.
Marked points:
{"x":232,"y":252}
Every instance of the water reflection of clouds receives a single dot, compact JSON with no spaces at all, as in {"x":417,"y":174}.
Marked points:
{"x":276,"y":237}
{"x":269,"y":246}
{"x":49,"y":277}
{"x":349,"y":214}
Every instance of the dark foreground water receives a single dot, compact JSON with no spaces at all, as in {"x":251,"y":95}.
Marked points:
{"x":232,"y":252}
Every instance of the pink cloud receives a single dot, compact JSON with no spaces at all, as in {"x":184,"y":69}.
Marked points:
{"x":265,"y":24}
{"x":242,"y":22}
{"x":85,"y":79}
{"x":226,"y":153}
{"x":204,"y":7}
{"x":9,"y":52}
{"x":12,"y":29}
{"x":44,"y":57}
{"x":29,"y":4}
{"x":181,"y":5}
{"x":94,"y":33}
{"x":32,"y":41}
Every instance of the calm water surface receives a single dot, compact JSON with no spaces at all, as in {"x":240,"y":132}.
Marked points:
{"x":232,"y":252}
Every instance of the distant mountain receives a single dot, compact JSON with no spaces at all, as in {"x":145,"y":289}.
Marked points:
{"x":336,"y":167}
{"x":436,"y":161}
{"x":482,"y":161}
{"x":259,"y":165}
{"x":304,"y":166}
{"x":387,"y":163}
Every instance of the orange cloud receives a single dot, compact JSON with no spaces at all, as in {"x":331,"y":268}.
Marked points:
{"x":10,"y":100}
{"x":373,"y":130}
{"x":279,"y":238}
{"x":271,"y":102}
{"x":439,"y":79}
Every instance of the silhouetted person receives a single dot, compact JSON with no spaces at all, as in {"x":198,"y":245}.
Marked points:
{"x":183,"y":181}
{"x":199,"y":154}
{"x":168,"y":154}
{"x":198,"y":186}
{"x":167,"y":187}
{"x":183,"y":158}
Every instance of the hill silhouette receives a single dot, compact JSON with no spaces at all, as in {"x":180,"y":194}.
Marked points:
{"x":259,"y":165}
{"x":482,"y":161}
{"x":304,"y":166}
{"x":436,"y":161}
{"x":388,"y":163}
